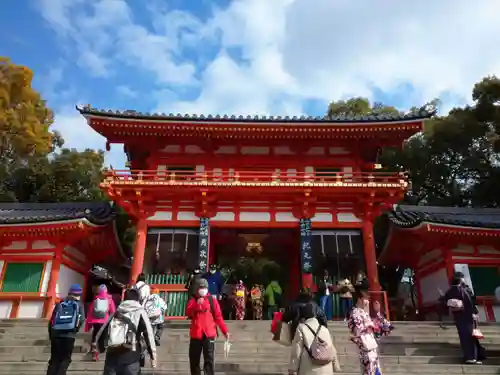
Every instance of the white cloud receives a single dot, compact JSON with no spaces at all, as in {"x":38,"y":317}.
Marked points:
{"x":126,"y":91}
{"x":77,"y":134}
{"x":333,"y":49}
{"x":292,"y":50}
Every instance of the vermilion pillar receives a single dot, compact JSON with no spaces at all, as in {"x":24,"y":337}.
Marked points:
{"x":370,"y":255}
{"x":139,"y":249}
{"x":52,"y":286}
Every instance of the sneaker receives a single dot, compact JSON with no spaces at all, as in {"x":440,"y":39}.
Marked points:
{"x":471,"y":362}
{"x":478,"y":362}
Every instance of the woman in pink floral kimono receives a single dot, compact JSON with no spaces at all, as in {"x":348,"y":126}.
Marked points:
{"x":363,"y":329}
{"x":240,"y":300}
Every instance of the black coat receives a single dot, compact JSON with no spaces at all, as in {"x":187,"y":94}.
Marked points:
{"x":292,"y":313}
{"x":464,"y":293}
{"x":192,"y":283}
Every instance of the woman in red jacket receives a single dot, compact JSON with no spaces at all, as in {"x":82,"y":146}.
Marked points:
{"x":205,"y":314}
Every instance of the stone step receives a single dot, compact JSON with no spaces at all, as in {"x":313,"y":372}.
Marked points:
{"x":260,"y":368}
{"x":256,"y":349}
{"x":257,"y":352}
{"x":428,"y":342}
{"x":265,"y":333}
{"x":147,"y":371}
{"x":253,"y":325}
{"x":37,"y":339}
{"x":272,"y":358}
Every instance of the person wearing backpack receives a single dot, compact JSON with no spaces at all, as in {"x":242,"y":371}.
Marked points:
{"x":205,"y":314}
{"x":142,"y":287}
{"x":312,"y":350}
{"x":98,"y":314}
{"x":67,"y":318}
{"x":126,"y":327}
{"x":156,"y":307}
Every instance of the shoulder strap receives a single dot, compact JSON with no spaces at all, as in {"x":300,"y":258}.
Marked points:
{"x":127,"y":320}
{"x":315,"y":333}
{"x":212,"y":308}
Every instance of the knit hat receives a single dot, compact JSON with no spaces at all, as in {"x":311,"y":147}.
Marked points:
{"x":202,"y":283}
{"x":103,"y":288}
{"x":75,"y":290}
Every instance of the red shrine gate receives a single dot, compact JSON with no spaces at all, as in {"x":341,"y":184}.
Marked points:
{"x":192,"y":175}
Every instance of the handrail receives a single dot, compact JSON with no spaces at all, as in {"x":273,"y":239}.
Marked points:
{"x":487,"y":303}
{"x":355,"y":179}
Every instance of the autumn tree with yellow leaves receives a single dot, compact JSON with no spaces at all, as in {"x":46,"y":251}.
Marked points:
{"x":33,"y":165}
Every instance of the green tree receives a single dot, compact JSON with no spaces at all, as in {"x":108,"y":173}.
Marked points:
{"x":455,"y":160}
{"x":359,"y":107}
{"x":67,"y":175}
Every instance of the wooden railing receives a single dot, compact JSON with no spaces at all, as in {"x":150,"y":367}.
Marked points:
{"x":173,"y":291}
{"x":256,"y":178}
{"x":487,"y":303}
{"x":16,"y":299}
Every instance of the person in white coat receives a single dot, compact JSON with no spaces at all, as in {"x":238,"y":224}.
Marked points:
{"x":301,"y":362}
{"x":143,"y":288}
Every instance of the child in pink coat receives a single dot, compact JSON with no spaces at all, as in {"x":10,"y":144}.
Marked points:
{"x":97,"y":315}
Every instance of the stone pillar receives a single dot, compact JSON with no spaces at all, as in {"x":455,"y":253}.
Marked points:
{"x":139,"y":250}
{"x":305,"y":253}
{"x":370,"y":255}
{"x":203,"y":247}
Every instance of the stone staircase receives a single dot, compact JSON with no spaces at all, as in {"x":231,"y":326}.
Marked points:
{"x":414,"y":348}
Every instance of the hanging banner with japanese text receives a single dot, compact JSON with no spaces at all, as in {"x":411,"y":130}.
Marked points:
{"x":203,"y":244}
{"x":305,"y":246}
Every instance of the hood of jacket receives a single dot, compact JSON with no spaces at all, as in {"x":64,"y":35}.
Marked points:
{"x":275,"y":287}
{"x":128,"y":307}
{"x":103,"y":294}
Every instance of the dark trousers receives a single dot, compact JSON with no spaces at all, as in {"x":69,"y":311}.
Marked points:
{"x":326,"y":303}
{"x":270,"y":312}
{"x":158,"y":330}
{"x":120,"y":369}
{"x":196,"y":347}
{"x":61,"y":349}
{"x":101,"y":345}
{"x":467,"y":342}
{"x":345,"y":306}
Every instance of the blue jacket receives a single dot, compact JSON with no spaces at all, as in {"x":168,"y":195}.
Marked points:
{"x":215,"y":283}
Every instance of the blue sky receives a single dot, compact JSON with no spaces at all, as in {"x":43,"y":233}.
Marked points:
{"x":279,"y":57}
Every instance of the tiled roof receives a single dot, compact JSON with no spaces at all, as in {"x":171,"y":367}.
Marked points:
{"x":412,"y":216}
{"x":422,"y":114}
{"x":97,"y":213}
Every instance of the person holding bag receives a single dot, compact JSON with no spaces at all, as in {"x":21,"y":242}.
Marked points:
{"x":461,"y":301}
{"x":312,"y":350}
{"x":362,"y":329}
